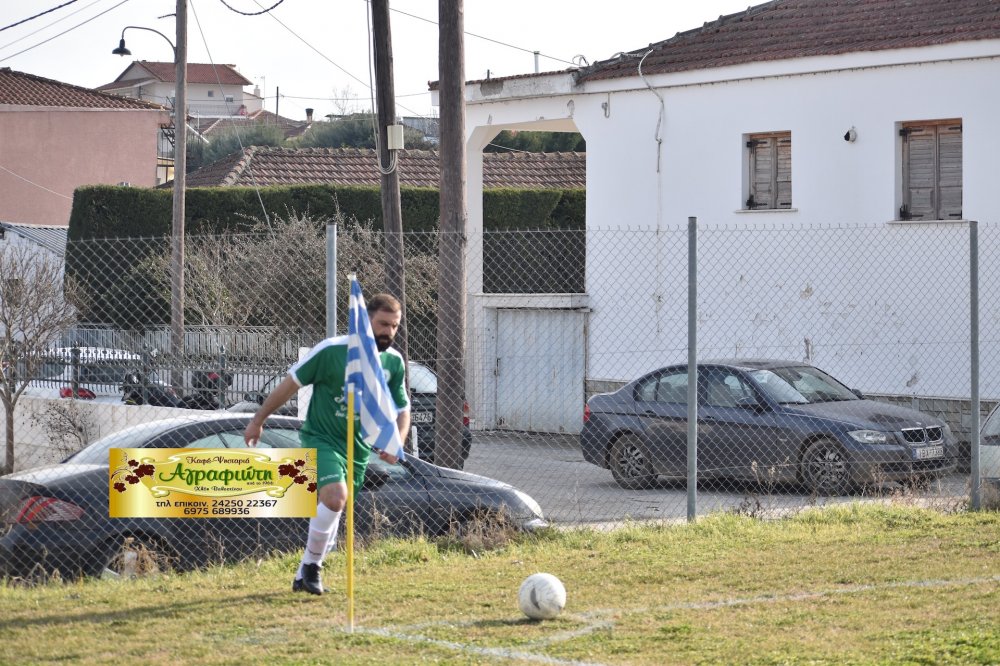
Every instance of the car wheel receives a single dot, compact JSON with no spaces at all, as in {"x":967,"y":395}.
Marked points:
{"x":826,"y":468}
{"x":136,"y":556}
{"x":629,"y":465}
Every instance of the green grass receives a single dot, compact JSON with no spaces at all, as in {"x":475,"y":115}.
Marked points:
{"x":845,"y":585}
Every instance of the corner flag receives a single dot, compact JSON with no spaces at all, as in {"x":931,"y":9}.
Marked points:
{"x":364,"y":372}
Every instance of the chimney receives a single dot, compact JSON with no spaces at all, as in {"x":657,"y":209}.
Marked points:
{"x":309,"y":115}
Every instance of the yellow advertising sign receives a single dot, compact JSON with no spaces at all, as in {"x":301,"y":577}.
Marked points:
{"x":212,"y":483}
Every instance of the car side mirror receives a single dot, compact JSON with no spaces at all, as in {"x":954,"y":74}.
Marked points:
{"x":858,"y":393}
{"x":254,"y":396}
{"x":375,"y":478}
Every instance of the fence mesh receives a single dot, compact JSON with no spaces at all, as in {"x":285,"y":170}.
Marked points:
{"x":834,"y":366}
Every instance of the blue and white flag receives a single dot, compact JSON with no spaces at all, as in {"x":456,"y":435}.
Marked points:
{"x":364,"y":373}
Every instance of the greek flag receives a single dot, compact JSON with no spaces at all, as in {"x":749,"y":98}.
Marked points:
{"x":364,"y":373}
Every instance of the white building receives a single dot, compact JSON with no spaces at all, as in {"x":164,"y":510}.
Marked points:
{"x":788,"y":118}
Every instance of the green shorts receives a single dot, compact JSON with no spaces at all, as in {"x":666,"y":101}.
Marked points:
{"x":331,"y":463}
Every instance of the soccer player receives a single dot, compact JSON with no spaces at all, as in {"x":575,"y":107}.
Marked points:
{"x":325,"y":427}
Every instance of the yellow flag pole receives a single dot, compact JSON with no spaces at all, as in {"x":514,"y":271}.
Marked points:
{"x":350,"y":508}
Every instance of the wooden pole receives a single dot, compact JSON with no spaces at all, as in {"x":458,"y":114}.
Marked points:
{"x":392,"y":210}
{"x":451,"y":247}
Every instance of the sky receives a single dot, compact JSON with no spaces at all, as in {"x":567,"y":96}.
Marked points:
{"x":315,"y":53}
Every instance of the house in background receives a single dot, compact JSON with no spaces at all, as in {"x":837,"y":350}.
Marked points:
{"x":789,"y":116}
{"x":55,"y":137}
{"x":213,"y":92}
{"x":208,"y":128}
{"x":45,"y":238}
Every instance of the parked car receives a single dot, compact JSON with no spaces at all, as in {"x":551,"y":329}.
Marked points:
{"x":989,"y":452}
{"x":56,"y":518}
{"x":423,"y":410}
{"x":102,"y":374}
{"x":763,"y":420}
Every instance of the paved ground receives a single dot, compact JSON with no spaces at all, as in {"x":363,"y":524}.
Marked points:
{"x":551,"y":469}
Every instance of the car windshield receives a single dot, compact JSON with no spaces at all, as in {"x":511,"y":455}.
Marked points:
{"x":130,"y":438}
{"x":991,"y":428}
{"x":422,"y":380}
{"x":800,"y":385}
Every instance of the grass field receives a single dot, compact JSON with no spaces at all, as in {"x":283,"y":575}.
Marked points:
{"x":845,"y":585}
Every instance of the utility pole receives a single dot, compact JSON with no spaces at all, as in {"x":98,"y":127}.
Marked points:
{"x":392,"y":208}
{"x":180,"y":180}
{"x":451,"y":245}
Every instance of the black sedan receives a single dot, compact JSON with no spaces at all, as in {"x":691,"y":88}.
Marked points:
{"x":762,"y":420}
{"x":56,"y":518}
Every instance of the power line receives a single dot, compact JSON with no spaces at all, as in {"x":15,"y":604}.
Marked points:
{"x":488,"y":39}
{"x":264,"y":11}
{"x":32,"y":18}
{"x":46,"y":41}
{"x":45,"y":27}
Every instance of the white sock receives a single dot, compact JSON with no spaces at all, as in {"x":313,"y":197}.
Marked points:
{"x":321,"y":526}
{"x":331,"y":543}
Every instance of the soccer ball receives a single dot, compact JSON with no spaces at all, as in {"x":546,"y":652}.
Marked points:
{"x":542,"y":596}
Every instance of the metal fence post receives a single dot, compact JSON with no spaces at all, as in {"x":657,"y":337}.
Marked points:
{"x":975,"y":499}
{"x":222,"y":377}
{"x":145,"y":370}
{"x":75,"y":373}
{"x":331,"y":279}
{"x":692,"y":394}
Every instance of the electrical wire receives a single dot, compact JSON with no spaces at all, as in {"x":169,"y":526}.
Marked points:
{"x":33,"y":183}
{"x":46,"y":27}
{"x":46,"y":41}
{"x":32,"y":18}
{"x":236,"y":130}
{"x":263,"y":11}
{"x":488,"y":39}
{"x":385,"y":171}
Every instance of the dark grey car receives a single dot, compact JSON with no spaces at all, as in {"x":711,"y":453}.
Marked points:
{"x":56,"y":518}
{"x":762,"y":420}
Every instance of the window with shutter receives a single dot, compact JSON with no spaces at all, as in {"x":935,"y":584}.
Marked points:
{"x":769,"y":163}
{"x":932,"y":170}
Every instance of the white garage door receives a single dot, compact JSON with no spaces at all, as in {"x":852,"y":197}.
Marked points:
{"x":540,"y":370}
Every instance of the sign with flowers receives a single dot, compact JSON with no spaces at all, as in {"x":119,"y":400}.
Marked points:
{"x":212,"y":483}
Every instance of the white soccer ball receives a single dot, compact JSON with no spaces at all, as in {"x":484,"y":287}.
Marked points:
{"x":542,"y":596}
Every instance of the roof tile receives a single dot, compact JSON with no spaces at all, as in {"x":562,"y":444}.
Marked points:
{"x":262,"y":166}
{"x":23,"y":89}
{"x":784,"y":29}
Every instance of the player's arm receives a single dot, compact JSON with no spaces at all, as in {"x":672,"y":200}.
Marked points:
{"x":275,"y":399}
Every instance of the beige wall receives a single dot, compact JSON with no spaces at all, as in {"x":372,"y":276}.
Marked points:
{"x":58,"y":150}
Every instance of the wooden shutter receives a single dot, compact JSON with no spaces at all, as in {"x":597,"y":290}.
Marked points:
{"x":932,"y":171}
{"x":783,"y":172}
{"x":949,"y":206}
{"x":770,"y":169}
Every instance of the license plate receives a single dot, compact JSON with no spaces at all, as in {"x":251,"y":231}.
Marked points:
{"x":929,"y":452}
{"x":423,"y":417}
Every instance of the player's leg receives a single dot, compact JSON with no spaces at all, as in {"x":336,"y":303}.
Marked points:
{"x":360,"y":467}
{"x":331,"y":478}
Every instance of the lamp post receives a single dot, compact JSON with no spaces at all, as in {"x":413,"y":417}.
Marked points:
{"x":180,"y":169}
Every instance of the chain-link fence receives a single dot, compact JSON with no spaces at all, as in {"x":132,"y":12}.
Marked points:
{"x":834,"y":366}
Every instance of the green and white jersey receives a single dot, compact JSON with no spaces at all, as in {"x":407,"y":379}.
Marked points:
{"x":324,"y":368}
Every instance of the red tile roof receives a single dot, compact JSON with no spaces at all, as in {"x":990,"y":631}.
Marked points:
{"x":29,"y":90}
{"x":215,"y":126}
{"x":263,"y":166}
{"x":785,"y":29}
{"x":196,"y":73}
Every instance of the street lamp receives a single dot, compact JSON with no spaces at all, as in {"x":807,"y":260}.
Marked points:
{"x":180,"y":169}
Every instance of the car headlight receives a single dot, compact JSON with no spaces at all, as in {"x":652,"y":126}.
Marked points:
{"x":869,"y":436}
{"x":529,"y":502}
